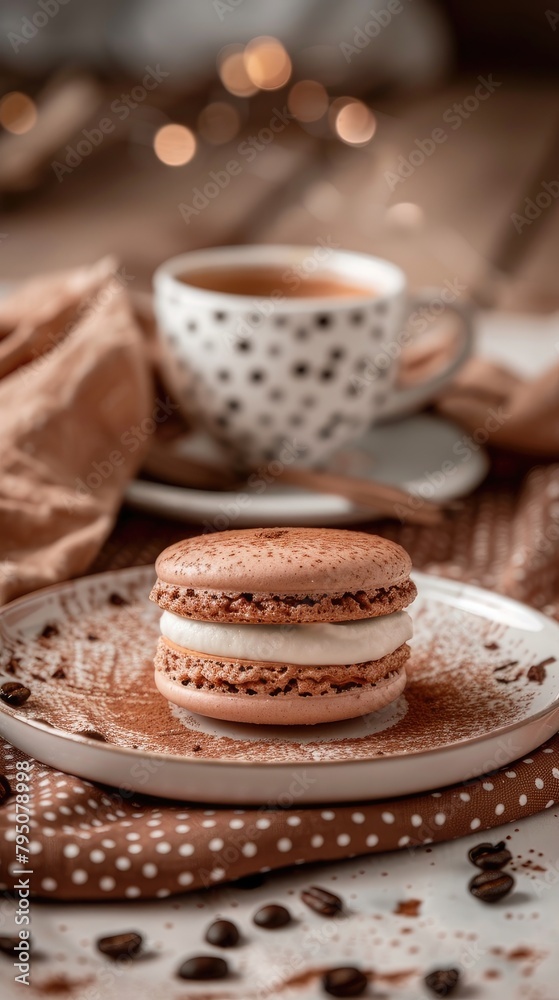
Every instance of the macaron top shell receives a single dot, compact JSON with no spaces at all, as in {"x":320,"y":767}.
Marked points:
{"x":285,"y":561}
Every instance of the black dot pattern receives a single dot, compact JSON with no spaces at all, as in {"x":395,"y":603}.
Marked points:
{"x":259,"y":381}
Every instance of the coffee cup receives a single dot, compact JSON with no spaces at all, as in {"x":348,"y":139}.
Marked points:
{"x":273,"y":345}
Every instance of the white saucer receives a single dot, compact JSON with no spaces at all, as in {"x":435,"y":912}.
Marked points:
{"x":411,"y":453}
{"x":470,"y":706}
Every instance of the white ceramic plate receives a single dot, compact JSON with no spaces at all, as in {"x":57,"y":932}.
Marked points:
{"x":411,"y":453}
{"x":464,"y":711}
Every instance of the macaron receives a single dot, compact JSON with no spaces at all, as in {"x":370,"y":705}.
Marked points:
{"x":283,"y":626}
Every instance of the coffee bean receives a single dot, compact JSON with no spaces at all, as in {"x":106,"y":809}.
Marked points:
{"x":117,"y":600}
{"x":92,"y":734}
{"x":272,"y":916}
{"x":223,"y":934}
{"x":442,"y":981}
{"x":322,"y":901}
{"x":5,"y":789}
{"x":116,"y":946}
{"x":490,"y":856}
{"x":203,"y":967}
{"x":7,"y":945}
{"x":344,"y":982}
{"x":490,"y":886}
{"x":14,"y":694}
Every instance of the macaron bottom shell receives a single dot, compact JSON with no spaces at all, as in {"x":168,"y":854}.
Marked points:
{"x":284,"y":709}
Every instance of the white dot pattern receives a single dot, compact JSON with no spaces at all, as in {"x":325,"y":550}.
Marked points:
{"x":128,"y":853}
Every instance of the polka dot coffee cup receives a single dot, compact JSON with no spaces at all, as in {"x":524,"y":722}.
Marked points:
{"x":289,"y":368}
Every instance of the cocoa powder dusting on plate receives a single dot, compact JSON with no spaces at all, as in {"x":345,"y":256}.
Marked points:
{"x":107,"y":686}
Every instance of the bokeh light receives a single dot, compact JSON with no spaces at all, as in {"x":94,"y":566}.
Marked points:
{"x":352,"y":121}
{"x":174,"y":145}
{"x":267,"y":63}
{"x":405,"y":215}
{"x":232,"y":71}
{"x":18,"y":112}
{"x":219,"y":122}
{"x":307,"y":100}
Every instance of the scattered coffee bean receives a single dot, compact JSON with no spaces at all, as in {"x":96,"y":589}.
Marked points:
{"x":491,"y":886}
{"x":223,"y":933}
{"x":442,"y":981}
{"x":93,"y":638}
{"x":248,"y":881}
{"x":125,"y":945}
{"x":272,"y":916}
{"x":344,"y":982}
{"x":203,"y":967}
{"x":322,"y":901}
{"x":14,"y":694}
{"x":49,"y":631}
{"x":5,"y":789}
{"x":7,"y":945}
{"x":92,"y":734}
{"x":59,"y":674}
{"x":490,"y":857}
{"x":117,"y":600}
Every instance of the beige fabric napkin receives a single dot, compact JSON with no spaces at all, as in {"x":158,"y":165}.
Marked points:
{"x":74,"y":383}
{"x":518,"y":415}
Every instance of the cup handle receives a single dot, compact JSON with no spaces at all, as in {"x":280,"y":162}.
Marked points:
{"x":403,"y":401}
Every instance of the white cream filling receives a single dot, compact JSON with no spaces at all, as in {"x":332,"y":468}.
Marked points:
{"x":315,"y":644}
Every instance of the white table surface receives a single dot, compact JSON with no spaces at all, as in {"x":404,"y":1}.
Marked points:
{"x":507,"y":951}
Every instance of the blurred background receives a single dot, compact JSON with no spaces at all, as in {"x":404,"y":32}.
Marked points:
{"x":419,"y":130}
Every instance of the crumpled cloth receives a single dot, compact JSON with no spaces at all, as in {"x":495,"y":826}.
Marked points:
{"x":74,"y":384}
{"x":519,"y":415}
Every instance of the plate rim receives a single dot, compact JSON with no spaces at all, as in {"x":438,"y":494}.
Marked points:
{"x":457,"y":586}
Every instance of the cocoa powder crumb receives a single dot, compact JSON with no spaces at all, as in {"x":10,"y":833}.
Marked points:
{"x":49,"y":631}
{"x":537,"y":672}
{"x":408,"y":907}
{"x":510,"y":680}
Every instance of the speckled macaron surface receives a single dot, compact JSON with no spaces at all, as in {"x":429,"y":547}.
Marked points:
{"x":284,"y":575}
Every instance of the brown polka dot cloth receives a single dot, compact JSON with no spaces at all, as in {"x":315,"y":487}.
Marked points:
{"x":87,"y":843}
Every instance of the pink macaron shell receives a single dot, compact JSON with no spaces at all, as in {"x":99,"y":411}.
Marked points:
{"x":283,"y":710}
